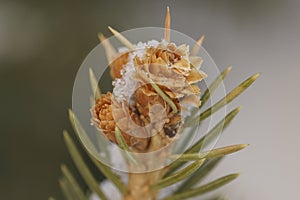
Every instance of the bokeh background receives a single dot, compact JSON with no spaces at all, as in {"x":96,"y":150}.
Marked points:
{"x":42,"y":44}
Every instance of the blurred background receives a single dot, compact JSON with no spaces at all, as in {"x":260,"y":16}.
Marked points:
{"x":42,"y":44}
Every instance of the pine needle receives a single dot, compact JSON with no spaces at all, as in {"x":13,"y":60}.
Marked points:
{"x":210,"y":90}
{"x":186,"y":172}
{"x":197,"y":46}
{"x":192,"y":120}
{"x":199,"y":175}
{"x":218,"y":198}
{"x":110,"y":51}
{"x":85,"y":140}
{"x":121,"y":38}
{"x":121,"y":141}
{"x":213,"y":133}
{"x":82,"y":167}
{"x":79,"y":130}
{"x":215,"y":153}
{"x":229,"y":97}
{"x":94,"y":84}
{"x":107,"y":172}
{"x":73,"y":183}
{"x":203,"y":189}
{"x":66,"y":189}
{"x":123,"y":145}
{"x":164,"y":96}
{"x":167,"y":25}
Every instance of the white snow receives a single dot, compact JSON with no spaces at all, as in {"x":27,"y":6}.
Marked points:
{"x":124,"y":87}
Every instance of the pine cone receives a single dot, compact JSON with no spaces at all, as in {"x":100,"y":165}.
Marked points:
{"x":169,"y":67}
{"x":103,"y":119}
{"x":108,"y":113}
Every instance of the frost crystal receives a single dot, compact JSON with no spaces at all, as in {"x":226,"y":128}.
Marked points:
{"x":124,"y":87}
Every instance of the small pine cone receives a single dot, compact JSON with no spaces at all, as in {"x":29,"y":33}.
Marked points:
{"x":130,"y":124}
{"x":107,"y":113}
{"x":103,"y":119}
{"x":171,"y":67}
{"x":145,"y":97}
{"x":160,"y":117}
{"x":172,"y":70}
